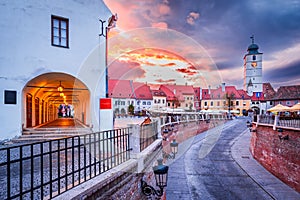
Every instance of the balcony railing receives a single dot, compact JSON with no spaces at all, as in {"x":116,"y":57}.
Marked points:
{"x":44,"y":170}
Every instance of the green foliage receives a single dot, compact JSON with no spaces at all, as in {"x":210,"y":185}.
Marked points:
{"x":131,"y":109}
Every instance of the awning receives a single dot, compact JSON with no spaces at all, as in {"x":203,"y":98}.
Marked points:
{"x":279,"y":108}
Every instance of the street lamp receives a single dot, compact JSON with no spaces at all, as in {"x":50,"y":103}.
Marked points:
{"x":111,"y":24}
{"x":174,"y":147}
{"x":161,"y":178}
{"x":248,"y":124}
{"x":281,"y":136}
{"x":174,"y":150}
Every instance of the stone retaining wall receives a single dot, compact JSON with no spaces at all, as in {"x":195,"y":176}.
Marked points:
{"x":121,"y":182}
{"x":278,"y":153}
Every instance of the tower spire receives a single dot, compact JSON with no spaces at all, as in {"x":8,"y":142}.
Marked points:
{"x":252,"y":38}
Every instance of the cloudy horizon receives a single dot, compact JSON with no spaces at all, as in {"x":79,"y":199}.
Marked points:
{"x":223,"y":29}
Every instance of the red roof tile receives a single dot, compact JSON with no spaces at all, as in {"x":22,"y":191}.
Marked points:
{"x":287,"y":92}
{"x":119,"y":88}
{"x":142,"y":91}
{"x":158,"y":93}
{"x":178,"y":90}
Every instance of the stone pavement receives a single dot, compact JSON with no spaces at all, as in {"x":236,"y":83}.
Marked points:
{"x":272,"y":185}
{"x":227,"y":172}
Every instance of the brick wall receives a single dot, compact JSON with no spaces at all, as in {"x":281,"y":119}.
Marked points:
{"x":279,"y":156}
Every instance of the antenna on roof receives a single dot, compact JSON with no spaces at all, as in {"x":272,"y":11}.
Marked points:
{"x":252,"y":38}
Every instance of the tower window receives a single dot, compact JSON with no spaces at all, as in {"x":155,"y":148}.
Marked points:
{"x":254,"y":57}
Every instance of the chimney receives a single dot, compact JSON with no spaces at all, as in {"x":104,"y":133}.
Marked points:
{"x":223,"y":87}
{"x":209,"y":89}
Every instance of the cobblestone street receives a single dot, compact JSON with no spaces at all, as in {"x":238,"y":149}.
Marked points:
{"x":218,"y":175}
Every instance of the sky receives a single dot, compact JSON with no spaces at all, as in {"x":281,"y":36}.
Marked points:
{"x":203,"y":42}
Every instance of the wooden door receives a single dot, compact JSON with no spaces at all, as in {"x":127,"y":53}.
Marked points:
{"x":37,"y":111}
{"x":28,"y":110}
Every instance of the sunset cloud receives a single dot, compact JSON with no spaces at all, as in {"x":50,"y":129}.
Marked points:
{"x":168,"y":81}
{"x":164,"y":9}
{"x":220,"y":30}
{"x":192,"y":17}
{"x":159,"y":25}
{"x":186,"y":71}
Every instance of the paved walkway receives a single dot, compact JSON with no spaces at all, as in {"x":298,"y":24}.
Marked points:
{"x":63,"y":123}
{"x":272,"y":185}
{"x":228,"y":171}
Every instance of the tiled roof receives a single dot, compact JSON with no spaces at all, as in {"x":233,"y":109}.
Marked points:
{"x":179,"y":91}
{"x":219,"y":94}
{"x":287,"y":92}
{"x":169,"y":94}
{"x":119,"y":88}
{"x":268,"y":91}
{"x":158,"y":93}
{"x":142,"y":91}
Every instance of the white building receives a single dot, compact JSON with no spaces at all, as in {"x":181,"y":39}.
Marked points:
{"x":159,"y":100}
{"x":44,"y":45}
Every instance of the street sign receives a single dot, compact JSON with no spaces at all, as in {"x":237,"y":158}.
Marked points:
{"x":258,"y":94}
{"x":105,"y":103}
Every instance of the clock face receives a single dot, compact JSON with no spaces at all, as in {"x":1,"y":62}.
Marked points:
{"x":253,"y":64}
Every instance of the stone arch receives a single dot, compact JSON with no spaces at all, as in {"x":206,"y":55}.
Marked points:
{"x":42,"y":97}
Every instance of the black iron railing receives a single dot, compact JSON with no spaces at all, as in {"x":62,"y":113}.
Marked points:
{"x":43,"y":170}
{"x":148,"y":134}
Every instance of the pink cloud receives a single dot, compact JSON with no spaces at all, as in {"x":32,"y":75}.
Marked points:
{"x":192,"y":17}
{"x":165,"y":81}
{"x":186,"y":71}
{"x":164,"y":9}
{"x":125,"y":70}
{"x":159,"y":25}
{"x":169,"y":65}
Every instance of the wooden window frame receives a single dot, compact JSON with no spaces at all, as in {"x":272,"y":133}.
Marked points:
{"x":60,"y":19}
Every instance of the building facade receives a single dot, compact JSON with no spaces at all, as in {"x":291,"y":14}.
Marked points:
{"x":51,"y":55}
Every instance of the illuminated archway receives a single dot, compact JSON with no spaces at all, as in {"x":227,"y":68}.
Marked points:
{"x":43,"y":95}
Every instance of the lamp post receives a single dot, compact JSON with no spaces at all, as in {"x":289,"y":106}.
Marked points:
{"x":174,"y":150}
{"x":281,"y":136}
{"x":161,"y":178}
{"x":111,"y":24}
{"x":248,"y":124}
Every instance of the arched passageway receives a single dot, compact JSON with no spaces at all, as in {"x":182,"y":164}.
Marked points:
{"x":55,"y":95}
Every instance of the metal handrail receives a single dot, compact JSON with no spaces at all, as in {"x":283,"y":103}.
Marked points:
{"x":43,"y":170}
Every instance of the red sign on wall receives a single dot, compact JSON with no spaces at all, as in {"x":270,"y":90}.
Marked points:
{"x":105,"y":103}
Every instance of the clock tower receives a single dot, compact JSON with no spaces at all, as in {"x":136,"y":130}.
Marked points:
{"x":253,"y":70}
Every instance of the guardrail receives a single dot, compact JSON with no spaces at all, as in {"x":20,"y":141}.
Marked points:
{"x":148,"y":134}
{"x":291,"y":122}
{"x":43,"y":170}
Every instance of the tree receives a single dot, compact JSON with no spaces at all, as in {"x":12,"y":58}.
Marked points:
{"x":229,"y":98}
{"x":131,"y":109}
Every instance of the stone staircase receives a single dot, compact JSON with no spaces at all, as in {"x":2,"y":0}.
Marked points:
{"x":44,"y":134}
